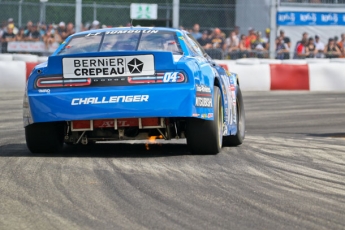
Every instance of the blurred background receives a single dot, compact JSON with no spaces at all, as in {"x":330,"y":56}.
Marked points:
{"x":227,"y":29}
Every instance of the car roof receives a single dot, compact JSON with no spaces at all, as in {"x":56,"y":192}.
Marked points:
{"x":128,"y":28}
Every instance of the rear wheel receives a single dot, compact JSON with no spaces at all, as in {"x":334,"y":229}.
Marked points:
{"x":44,"y":137}
{"x":241,"y":123}
{"x":204,"y":136}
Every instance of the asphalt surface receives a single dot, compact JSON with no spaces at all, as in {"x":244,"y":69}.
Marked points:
{"x":288,"y":174}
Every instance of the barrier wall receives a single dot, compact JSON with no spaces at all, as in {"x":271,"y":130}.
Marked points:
{"x":308,"y":74}
{"x":255,"y":74}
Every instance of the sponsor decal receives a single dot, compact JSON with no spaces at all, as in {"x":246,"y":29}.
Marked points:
{"x":100,"y":67}
{"x":132,"y":32}
{"x":44,"y":90}
{"x":308,"y":17}
{"x":91,"y":34}
{"x":158,"y":78}
{"x":111,"y":99}
{"x":170,"y":77}
{"x":107,"y":124}
{"x":203,"y":89}
{"x":203,"y":102}
{"x":225,"y":129}
{"x":195,"y":115}
{"x":286,"y":17}
{"x":329,"y":18}
{"x":210,"y":115}
{"x":204,"y":115}
{"x":135,"y":66}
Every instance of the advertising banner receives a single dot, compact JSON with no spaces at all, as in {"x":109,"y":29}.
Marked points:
{"x":290,"y":18}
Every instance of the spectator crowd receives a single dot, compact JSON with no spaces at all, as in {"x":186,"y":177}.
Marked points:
{"x":253,"y":44}
{"x":47,"y":33}
{"x":215,"y":42}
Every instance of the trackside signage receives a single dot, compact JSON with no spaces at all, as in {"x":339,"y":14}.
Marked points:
{"x":116,"y":66}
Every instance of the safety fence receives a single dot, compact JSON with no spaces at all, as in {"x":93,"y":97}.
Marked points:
{"x":209,"y":14}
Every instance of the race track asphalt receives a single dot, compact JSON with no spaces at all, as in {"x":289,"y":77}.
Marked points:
{"x":288,"y":174}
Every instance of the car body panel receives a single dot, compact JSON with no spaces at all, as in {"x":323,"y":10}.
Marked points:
{"x":191,"y":98}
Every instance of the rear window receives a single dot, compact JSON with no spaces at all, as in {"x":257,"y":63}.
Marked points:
{"x":123,"y":40}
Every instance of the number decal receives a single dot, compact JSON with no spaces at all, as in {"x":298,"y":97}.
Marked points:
{"x":170,"y":77}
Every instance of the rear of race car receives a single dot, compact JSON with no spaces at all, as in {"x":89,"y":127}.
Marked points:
{"x":109,"y":96}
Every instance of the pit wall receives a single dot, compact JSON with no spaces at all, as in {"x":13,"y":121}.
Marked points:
{"x":255,"y":74}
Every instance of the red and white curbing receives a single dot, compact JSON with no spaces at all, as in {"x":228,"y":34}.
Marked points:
{"x":255,"y":74}
{"x":312,"y":74}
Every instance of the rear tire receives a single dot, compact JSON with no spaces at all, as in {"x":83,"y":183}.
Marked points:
{"x":204,"y":136}
{"x":241,"y":123}
{"x":44,"y":137}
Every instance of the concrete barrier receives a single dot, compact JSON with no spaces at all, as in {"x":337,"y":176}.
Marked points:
{"x":12,"y":75}
{"x":6,"y":57}
{"x":42,"y":59}
{"x":253,"y":77}
{"x":341,"y":60}
{"x":317,"y":60}
{"x":248,"y":61}
{"x":327,"y":77}
{"x":294,"y":61}
{"x":289,"y":77}
{"x":270,"y":61}
{"x":25,"y":57}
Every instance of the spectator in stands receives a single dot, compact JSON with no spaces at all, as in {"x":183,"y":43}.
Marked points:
{"x":204,"y":41}
{"x":266,"y":39}
{"x":331,"y":49}
{"x":70,"y":29}
{"x":217,"y":39}
{"x":20,"y":35}
{"x":7,"y":36}
{"x":51,"y":36}
{"x":251,"y":38}
{"x":302,"y":51}
{"x":304,"y":39}
{"x":28,"y":27}
{"x":32,"y":34}
{"x":196,"y":31}
{"x":281,"y":48}
{"x":336,"y":40}
{"x":95,"y":25}
{"x":61,"y":30}
{"x":311,"y":48}
{"x":319,"y":47}
{"x":258,"y":45}
{"x":42,"y":29}
{"x":237,"y":32}
{"x":11,"y":22}
{"x":244,"y":49}
{"x":232,"y":45}
{"x":341,"y":44}
{"x":287,"y":41}
{"x":2,"y":29}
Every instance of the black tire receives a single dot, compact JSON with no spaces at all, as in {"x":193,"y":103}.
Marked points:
{"x":241,"y":123}
{"x":44,"y":137}
{"x":204,"y":136}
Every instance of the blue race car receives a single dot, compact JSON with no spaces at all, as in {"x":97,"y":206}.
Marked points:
{"x":132,"y":84}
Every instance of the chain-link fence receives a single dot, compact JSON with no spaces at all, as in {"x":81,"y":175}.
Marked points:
{"x":214,"y":13}
{"x":209,"y":14}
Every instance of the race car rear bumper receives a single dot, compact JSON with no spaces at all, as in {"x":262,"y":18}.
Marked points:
{"x":140,"y":101}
